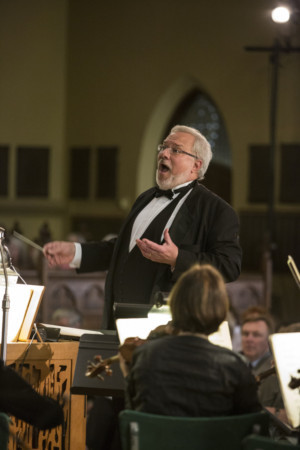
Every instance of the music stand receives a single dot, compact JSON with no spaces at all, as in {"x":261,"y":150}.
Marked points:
{"x":90,"y":345}
{"x":131,"y":310}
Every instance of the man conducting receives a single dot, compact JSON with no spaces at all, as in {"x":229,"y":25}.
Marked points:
{"x":169,"y":228}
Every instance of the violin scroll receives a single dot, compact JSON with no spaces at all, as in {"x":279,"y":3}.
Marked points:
{"x":96,"y":367}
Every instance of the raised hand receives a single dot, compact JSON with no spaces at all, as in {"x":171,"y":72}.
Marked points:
{"x":59,"y":253}
{"x":165,"y":253}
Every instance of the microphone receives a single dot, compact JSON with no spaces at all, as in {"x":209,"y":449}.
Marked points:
{"x":5,"y":301}
{"x":5,"y":259}
{"x":6,"y":268}
{"x":6,"y":265}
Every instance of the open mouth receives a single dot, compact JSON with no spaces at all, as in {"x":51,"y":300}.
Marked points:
{"x":162,"y":167}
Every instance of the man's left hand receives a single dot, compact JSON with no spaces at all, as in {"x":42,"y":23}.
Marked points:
{"x":165,"y":253}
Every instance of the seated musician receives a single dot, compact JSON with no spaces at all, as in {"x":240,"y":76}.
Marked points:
{"x":184,"y":374}
{"x":257,"y":325}
{"x":19,"y":399}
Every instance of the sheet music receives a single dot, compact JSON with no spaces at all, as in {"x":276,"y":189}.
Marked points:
{"x":222,"y":336}
{"x":286,"y":352}
{"x":19,"y":295}
{"x":32,"y":309}
{"x":137,"y":327}
{"x":142,"y":327}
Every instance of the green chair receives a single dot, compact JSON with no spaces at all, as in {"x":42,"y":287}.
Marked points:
{"x":254,"y":442}
{"x":4,"y":431}
{"x":143,"y":431}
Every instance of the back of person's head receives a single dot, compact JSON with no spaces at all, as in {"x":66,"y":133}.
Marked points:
{"x":257,"y":313}
{"x":199,"y":301}
{"x":201,"y":147}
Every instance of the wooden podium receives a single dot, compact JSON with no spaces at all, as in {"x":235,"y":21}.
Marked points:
{"x":49,"y":368}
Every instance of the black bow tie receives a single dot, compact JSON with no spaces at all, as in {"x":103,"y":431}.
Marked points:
{"x":164,"y":193}
{"x":169,"y":193}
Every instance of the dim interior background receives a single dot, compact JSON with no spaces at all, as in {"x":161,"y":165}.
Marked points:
{"x":89,"y":89}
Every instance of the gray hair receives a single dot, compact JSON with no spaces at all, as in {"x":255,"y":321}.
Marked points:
{"x":201,"y":148}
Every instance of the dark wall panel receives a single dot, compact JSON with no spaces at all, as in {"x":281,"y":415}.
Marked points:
{"x":32,"y":171}
{"x":4,"y":169}
{"x":80,"y":162}
{"x":258,"y":183}
{"x":290,"y":179}
{"x":107,"y":160}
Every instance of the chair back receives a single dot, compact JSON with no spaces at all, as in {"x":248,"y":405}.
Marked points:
{"x":144,"y":431}
{"x":254,"y":442}
{"x":4,"y":431}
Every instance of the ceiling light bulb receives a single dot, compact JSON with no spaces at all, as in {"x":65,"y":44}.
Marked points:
{"x":281,"y":14}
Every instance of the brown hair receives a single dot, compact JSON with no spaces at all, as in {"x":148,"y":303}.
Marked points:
{"x":256,"y":313}
{"x":199,"y":301}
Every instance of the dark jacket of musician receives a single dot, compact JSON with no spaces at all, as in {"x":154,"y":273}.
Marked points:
{"x":189,"y":376}
{"x":184,"y":373}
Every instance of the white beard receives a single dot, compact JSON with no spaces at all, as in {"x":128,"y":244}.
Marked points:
{"x":173,"y":180}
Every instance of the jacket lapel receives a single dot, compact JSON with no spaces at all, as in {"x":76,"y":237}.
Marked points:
{"x":185,"y":217}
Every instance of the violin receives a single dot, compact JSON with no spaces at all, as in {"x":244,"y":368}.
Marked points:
{"x":293,"y":384}
{"x":99,"y":366}
{"x":96,"y":367}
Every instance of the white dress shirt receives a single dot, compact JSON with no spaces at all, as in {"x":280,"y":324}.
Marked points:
{"x":142,"y":220}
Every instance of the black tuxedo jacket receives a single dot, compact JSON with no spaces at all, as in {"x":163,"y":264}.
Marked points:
{"x":205,"y":230}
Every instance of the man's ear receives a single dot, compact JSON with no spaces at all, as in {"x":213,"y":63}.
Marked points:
{"x":197,"y":165}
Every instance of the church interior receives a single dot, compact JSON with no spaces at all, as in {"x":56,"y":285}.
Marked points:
{"x":88,"y":91}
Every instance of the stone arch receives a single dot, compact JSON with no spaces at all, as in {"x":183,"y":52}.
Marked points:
{"x":182,"y":103}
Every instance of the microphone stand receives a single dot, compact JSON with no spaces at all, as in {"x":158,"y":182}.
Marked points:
{"x":5,"y":301}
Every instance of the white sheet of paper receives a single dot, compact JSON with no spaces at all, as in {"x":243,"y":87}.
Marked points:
{"x":36,"y":298}
{"x":286,"y":352}
{"x":19,"y":296}
{"x":222,"y":336}
{"x":142,"y":327}
{"x":138,"y":327}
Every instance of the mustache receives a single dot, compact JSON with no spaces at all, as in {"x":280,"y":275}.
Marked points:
{"x":163,"y":161}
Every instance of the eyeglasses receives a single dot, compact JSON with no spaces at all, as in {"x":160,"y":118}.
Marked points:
{"x":174,"y":150}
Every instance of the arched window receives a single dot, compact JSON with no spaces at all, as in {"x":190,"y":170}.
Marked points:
{"x":199,"y":111}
